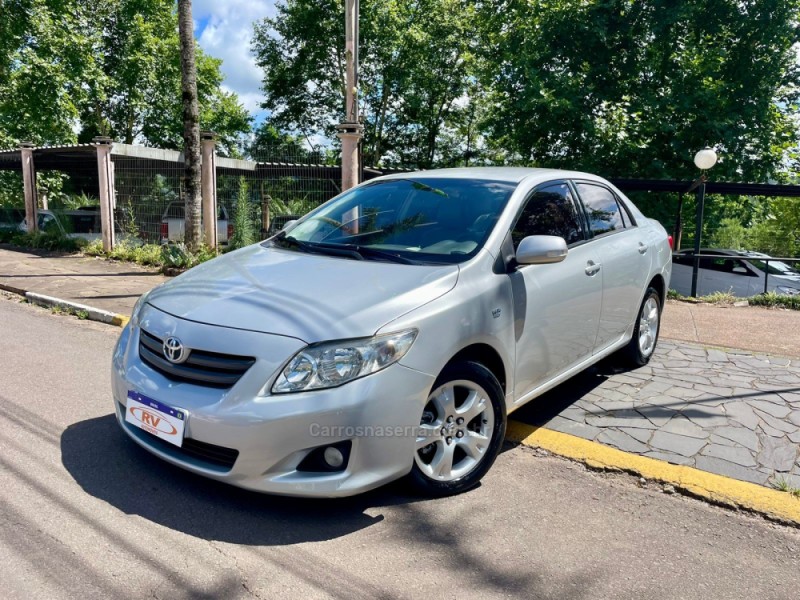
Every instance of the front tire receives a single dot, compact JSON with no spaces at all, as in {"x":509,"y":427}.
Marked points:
{"x":645,"y":333}
{"x":461,"y":431}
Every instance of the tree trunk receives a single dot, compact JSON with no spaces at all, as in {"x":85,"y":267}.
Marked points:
{"x":191,"y":126}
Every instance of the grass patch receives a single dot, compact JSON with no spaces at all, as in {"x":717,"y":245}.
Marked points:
{"x":170,"y":256}
{"x":770,"y":299}
{"x":57,"y":309}
{"x":782,"y":485}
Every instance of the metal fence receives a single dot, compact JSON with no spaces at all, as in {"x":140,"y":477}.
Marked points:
{"x":272,"y":194}
{"x":147,"y":192}
{"x":257,"y":196}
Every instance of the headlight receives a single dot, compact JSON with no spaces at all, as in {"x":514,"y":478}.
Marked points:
{"x":137,"y":307}
{"x":787,"y":291}
{"x":335,"y":363}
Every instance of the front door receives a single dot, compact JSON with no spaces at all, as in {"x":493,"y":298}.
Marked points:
{"x":556,"y":306}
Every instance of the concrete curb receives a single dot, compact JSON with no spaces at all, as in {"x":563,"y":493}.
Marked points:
{"x":93,"y":314}
{"x":717,"y":489}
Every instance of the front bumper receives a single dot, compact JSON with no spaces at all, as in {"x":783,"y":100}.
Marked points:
{"x":378,"y":414}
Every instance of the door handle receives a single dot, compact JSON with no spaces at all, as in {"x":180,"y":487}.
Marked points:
{"x":592,"y":268}
{"x":642,"y":248}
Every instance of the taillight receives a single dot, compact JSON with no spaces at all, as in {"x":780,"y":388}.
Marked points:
{"x":164,"y":231}
{"x":230,"y":230}
{"x":669,"y":237}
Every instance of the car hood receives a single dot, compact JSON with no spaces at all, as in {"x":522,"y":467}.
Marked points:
{"x":311,"y":297}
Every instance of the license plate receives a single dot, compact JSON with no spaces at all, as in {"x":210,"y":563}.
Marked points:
{"x":156,"y":418}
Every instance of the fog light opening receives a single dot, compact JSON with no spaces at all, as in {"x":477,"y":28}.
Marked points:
{"x":334,"y":457}
{"x":330,"y":458}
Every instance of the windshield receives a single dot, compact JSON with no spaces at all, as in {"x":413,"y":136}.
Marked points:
{"x":775,"y":267}
{"x":425,"y":220}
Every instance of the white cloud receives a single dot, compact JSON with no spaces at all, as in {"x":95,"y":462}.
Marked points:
{"x":226,"y":35}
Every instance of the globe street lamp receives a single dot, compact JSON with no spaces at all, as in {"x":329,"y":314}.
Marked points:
{"x":703,"y":160}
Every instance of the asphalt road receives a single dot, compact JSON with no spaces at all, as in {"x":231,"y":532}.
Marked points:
{"x":86,"y":514}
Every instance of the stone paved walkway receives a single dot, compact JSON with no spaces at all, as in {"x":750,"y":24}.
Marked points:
{"x":731,"y":412}
{"x":112,"y":286}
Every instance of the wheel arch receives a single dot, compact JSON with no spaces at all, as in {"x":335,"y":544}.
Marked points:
{"x":657,"y":282}
{"x":487,"y":356}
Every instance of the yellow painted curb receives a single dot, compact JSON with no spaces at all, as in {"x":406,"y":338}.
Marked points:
{"x":716,"y":488}
{"x":120,"y":320}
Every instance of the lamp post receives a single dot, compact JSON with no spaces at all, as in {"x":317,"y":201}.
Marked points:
{"x":350,"y":129}
{"x":703,"y":160}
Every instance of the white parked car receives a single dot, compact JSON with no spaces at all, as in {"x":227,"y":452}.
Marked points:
{"x":740,"y":272}
{"x":390,"y":331}
{"x":173,"y":224}
{"x":78,"y":224}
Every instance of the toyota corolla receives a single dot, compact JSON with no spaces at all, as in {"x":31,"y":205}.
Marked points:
{"x":390,"y":332}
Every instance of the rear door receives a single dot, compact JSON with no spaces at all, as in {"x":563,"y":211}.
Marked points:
{"x":625,"y":259}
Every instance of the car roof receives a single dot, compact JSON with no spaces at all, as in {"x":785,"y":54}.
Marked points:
{"x":508,"y":174}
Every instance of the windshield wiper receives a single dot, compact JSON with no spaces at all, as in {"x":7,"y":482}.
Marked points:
{"x":367,"y":252}
{"x":317,"y":248}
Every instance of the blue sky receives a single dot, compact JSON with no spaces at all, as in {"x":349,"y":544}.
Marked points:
{"x":224,"y":29}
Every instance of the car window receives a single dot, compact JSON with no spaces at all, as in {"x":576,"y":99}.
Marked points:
{"x":603,"y":212}
{"x":549,"y":211}
{"x":725,"y":264}
{"x":175,"y":211}
{"x":775,"y":267}
{"x":78,"y":223}
{"x":47,"y":223}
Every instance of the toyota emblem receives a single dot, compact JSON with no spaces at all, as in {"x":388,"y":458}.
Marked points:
{"x":174,"y":350}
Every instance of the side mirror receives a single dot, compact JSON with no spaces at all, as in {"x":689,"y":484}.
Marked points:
{"x":541,"y":250}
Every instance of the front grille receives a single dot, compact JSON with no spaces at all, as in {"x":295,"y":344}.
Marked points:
{"x":201,"y":368}
{"x":209,"y":456}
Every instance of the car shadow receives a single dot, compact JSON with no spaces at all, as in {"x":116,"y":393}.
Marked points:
{"x":109,"y":466}
{"x":549,"y":405}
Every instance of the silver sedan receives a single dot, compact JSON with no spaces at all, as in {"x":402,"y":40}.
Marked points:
{"x":390,"y":332}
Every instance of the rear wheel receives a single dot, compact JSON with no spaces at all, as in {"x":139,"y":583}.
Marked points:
{"x":461,"y":430}
{"x":645,"y":333}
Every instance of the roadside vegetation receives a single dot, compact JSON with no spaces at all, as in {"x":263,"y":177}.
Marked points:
{"x":69,"y":311}
{"x":41,"y":240}
{"x":770,"y":299}
{"x":169,"y":258}
{"x":782,"y":485}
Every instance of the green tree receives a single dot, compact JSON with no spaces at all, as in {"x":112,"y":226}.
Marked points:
{"x":635,"y":88}
{"x":415,"y":66}
{"x":42,"y":68}
{"x":110,"y":66}
{"x":191,"y":126}
{"x":268,"y":144}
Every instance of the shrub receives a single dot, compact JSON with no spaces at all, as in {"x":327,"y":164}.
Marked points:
{"x":244,"y":229}
{"x":776,"y":300}
{"x":43,"y":240}
{"x":176,"y":256}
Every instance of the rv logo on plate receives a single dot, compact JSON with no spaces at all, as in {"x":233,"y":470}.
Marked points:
{"x":174,"y":350}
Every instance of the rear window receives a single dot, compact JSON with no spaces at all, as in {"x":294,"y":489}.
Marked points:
{"x":602,"y":210}
{"x":11,"y":216}
{"x":88,"y":223}
{"x":178,"y":211}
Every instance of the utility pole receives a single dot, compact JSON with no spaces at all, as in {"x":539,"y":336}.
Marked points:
{"x":350,"y":129}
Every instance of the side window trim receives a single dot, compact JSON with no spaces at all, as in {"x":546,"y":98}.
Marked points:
{"x":576,"y":204}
